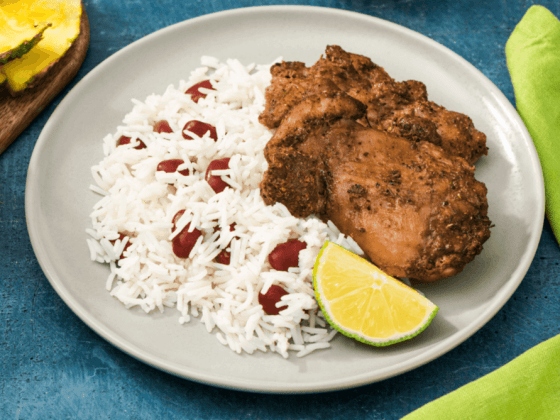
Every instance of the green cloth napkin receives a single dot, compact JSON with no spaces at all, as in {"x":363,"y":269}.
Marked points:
{"x":529,"y":386}
{"x":533,"y":58}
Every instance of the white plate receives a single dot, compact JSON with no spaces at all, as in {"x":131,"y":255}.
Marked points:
{"x":58,"y":200}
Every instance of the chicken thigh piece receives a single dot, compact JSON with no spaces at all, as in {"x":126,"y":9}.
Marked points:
{"x":419,"y":117}
{"x":414,"y":209}
{"x":399,"y":107}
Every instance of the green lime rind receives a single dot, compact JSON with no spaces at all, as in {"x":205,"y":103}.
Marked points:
{"x":353,"y":335}
{"x":373,"y":343}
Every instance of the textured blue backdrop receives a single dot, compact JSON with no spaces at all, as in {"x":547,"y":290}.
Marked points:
{"x":52,"y":366}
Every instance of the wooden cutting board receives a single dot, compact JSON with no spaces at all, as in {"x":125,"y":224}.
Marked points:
{"x":16,"y":113}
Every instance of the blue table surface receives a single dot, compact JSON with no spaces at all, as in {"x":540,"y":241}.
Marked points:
{"x":53,"y":366}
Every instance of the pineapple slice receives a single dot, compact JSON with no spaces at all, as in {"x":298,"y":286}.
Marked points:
{"x":18,"y":34}
{"x":64,"y":16}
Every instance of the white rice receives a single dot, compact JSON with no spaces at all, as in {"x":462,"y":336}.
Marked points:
{"x":141,"y":203}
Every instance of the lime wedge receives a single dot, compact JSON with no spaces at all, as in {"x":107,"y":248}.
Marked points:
{"x":362,"y":302}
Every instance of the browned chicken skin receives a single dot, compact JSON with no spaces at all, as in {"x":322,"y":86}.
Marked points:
{"x":396,"y":107}
{"x":416,"y":210}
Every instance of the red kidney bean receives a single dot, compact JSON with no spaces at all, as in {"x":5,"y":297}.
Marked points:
{"x":171,"y":166}
{"x":200,"y":129}
{"x":286,"y":255}
{"x":121,"y":237}
{"x":271,"y":298}
{"x":215,"y":181}
{"x":195,"y":93}
{"x":176,"y":219}
{"x":162,"y":127}
{"x":224,"y":257}
{"x":126,"y":140}
{"x":184,"y":242}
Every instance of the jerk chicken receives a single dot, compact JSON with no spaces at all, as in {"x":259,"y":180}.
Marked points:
{"x":411,"y":204}
{"x":401,"y":108}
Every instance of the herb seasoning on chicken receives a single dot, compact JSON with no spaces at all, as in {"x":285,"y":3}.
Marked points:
{"x":410,"y":199}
